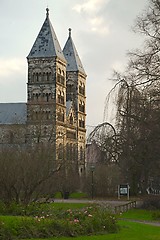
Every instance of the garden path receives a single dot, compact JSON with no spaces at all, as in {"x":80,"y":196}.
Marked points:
{"x":141,"y":221}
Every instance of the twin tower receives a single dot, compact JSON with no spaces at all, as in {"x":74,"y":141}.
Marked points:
{"x":56,"y":105}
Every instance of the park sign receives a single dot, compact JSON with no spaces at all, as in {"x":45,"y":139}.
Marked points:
{"x":123,"y":190}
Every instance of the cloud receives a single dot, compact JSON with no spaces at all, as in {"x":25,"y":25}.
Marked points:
{"x":90,"y":6}
{"x":118,"y":66}
{"x":90,"y":10}
{"x":12,"y":75}
{"x":8,"y":67}
{"x":98,"y":25}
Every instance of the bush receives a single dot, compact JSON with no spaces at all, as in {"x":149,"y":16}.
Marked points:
{"x":32,"y":209}
{"x":87,"y":221}
{"x":156,"y":215}
{"x":151,"y":202}
{"x":12,"y":209}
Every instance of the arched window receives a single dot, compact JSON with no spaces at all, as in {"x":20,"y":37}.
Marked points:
{"x":47,"y":97}
{"x":59,"y":96}
{"x":44,"y":77}
{"x":37,"y":96}
{"x":80,"y":104}
{"x":83,"y":107}
{"x":83,"y":89}
{"x":39,"y":77}
{"x":47,"y":76}
{"x":59,"y":71}
{"x":60,"y":76}
{"x":81,"y":123}
{"x":48,"y":115}
{"x":63,"y":73}
{"x":71,"y":119}
{"x":80,"y":88}
{"x":34,"y":77}
{"x":62,"y":98}
{"x":50,"y":76}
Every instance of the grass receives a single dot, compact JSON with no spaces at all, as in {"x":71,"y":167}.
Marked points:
{"x":58,"y":222}
{"x":129,"y":231}
{"x":75,"y":195}
{"x":65,"y":206}
{"x":78,"y":195}
{"x":34,"y":209}
{"x":11,"y":221}
{"x":139,"y":214}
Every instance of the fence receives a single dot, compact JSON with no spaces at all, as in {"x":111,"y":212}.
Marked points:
{"x":125,"y":207}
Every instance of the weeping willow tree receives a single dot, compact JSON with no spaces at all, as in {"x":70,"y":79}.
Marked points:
{"x":138,"y":107}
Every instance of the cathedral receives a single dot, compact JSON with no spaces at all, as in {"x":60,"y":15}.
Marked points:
{"x":55,"y":111}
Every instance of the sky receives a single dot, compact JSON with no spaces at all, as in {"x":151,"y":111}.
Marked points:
{"x":101,"y":31}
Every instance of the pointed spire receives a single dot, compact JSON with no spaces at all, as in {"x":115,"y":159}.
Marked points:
{"x":72,"y":57}
{"x":46,"y":44}
{"x":70,"y":32}
{"x":47,"y":12}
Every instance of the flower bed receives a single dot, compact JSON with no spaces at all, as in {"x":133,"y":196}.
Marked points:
{"x":87,"y":221}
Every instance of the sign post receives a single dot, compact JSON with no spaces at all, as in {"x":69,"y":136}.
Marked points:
{"x":123,"y":190}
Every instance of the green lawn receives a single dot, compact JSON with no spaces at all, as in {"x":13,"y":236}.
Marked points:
{"x":66,"y":206}
{"x":138,"y":214}
{"x":128,"y":231}
{"x":75,"y":195}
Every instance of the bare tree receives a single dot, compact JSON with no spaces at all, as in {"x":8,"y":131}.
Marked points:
{"x":138,"y":105}
{"x":24,"y":172}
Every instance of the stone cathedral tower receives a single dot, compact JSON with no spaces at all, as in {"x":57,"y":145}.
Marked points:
{"x":56,"y":96}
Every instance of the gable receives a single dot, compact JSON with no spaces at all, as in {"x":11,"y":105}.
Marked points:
{"x":70,"y":113}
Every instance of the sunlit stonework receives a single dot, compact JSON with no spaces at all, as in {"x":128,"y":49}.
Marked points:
{"x":55,"y":109}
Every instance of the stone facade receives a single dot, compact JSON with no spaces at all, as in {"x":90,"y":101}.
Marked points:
{"x":55,"y":110}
